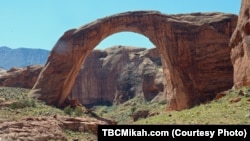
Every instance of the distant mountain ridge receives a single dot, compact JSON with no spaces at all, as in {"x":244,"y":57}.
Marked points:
{"x":21,"y":57}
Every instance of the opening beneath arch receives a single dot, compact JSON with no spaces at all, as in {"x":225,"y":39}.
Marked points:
{"x":125,"y":39}
{"x":122,"y":66}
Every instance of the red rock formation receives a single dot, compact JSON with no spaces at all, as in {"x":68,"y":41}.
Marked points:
{"x":152,"y":77}
{"x":240,"y":43}
{"x":110,"y":76}
{"x":21,"y":77}
{"x":194,"y":47}
{"x":46,"y":128}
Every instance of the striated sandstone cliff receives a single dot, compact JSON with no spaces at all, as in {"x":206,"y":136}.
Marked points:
{"x":194,"y":48}
{"x":117,"y":74}
{"x":240,"y":43}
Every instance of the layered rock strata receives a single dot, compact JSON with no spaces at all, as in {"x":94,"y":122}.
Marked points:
{"x":240,"y":43}
{"x":46,"y":128}
{"x":117,"y":74}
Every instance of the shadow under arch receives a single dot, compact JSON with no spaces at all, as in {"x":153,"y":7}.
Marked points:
{"x":178,"y":38}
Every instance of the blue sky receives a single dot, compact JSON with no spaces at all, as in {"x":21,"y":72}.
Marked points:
{"x":39,"y":24}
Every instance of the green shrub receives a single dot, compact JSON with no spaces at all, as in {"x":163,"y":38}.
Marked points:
{"x":23,"y":103}
{"x":73,"y":111}
{"x":78,"y":111}
{"x":29,"y":102}
{"x":132,"y":110}
{"x":68,"y":110}
{"x":17,"y":105}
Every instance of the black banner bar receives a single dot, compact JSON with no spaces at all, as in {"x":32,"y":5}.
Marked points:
{"x":174,"y":132}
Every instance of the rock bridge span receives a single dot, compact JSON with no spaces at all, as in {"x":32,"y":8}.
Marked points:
{"x":194,"y":49}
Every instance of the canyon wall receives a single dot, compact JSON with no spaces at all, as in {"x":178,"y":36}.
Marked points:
{"x":117,"y":74}
{"x":240,"y":43}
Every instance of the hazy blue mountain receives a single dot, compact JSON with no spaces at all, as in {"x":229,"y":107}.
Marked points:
{"x":21,"y":57}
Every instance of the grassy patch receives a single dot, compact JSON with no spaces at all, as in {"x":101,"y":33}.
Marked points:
{"x":23,"y":106}
{"x":123,"y":113}
{"x":220,"y":111}
{"x":73,"y":135}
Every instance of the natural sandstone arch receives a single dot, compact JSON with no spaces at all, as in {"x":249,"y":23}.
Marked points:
{"x":194,"y":48}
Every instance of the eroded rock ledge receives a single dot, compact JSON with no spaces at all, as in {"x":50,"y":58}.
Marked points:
{"x":46,"y":128}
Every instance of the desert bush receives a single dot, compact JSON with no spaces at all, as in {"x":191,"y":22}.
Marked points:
{"x":73,"y":111}
{"x":132,"y":110}
{"x":78,"y":111}
{"x":68,"y":110}
{"x":23,"y":103}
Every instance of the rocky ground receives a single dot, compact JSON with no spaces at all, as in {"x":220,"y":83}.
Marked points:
{"x":24,"y":119}
{"x":46,"y":128}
